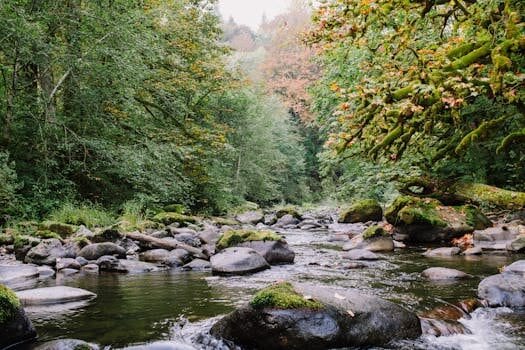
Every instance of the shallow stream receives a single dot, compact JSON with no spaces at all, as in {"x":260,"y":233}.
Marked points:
{"x":136,"y":309}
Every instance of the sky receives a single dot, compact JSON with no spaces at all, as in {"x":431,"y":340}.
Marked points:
{"x":250,"y":12}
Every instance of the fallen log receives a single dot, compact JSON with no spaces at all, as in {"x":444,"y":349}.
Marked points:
{"x":169,"y":245}
{"x":457,"y":192}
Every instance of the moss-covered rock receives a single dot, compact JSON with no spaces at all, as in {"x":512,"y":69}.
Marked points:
{"x":225,"y":221}
{"x":362,"y":211}
{"x":168,"y":218}
{"x":234,"y":237}
{"x":6,"y":239}
{"x":9,"y":304}
{"x":282,"y":296}
{"x":21,"y":241}
{"x":428,"y":220}
{"x":44,"y":234}
{"x":289,"y":210}
{"x":64,"y":230}
{"x":375,"y":231}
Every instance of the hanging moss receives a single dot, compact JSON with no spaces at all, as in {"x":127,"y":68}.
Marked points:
{"x":461,"y":50}
{"x":471,"y":57}
{"x":387,"y":141}
{"x":479,"y":133}
{"x":9,"y":304}
{"x":403,"y":92}
{"x":515,"y":137}
{"x":283,"y":296}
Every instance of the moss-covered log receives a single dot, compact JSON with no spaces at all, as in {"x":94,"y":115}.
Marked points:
{"x":451,"y":192}
{"x":471,"y":57}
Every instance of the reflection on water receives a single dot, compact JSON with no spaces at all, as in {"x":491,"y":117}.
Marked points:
{"x":132,"y":309}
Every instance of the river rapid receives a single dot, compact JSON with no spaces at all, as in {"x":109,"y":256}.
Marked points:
{"x":181,"y":305}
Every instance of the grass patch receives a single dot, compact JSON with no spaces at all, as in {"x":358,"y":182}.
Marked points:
{"x":168,"y":218}
{"x":283,"y":296}
{"x":83,"y":214}
{"x":234,"y":237}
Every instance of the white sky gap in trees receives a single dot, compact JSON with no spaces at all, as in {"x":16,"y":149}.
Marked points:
{"x":250,"y":12}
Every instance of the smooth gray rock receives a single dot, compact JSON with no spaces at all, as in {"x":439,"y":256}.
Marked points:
{"x":250,"y":217}
{"x":45,"y":272}
{"x":517,"y":245}
{"x":67,"y":263}
{"x":198,"y":264}
{"x":287,"y":221}
{"x":209,"y":235}
{"x":347,"y":319}
{"x":155,"y":255}
{"x":129,"y":246}
{"x":53,"y":295}
{"x":275,"y":252}
{"x":47,"y":251}
{"x":238,"y":261}
{"x":13,"y":274}
{"x":517,"y":267}
{"x":505,"y":289}
{"x":82,"y":261}
{"x":473,"y":251}
{"x":189,"y":239}
{"x":83,"y":231}
{"x":442,"y":273}
{"x":135,"y":267}
{"x":376,"y":244}
{"x":95,"y":251}
{"x":442,"y":252}
{"x":67,"y":344}
{"x":91,"y":268}
{"x":360,"y":254}
{"x":66,"y":272}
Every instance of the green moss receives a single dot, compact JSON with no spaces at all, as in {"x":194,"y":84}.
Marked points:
{"x":283,"y":296}
{"x":493,"y":196}
{"x":398,"y":204}
{"x":175,"y":208}
{"x":22,"y":240}
{"x":290,"y":210}
{"x":225,"y":222}
{"x":235,"y":237}
{"x":168,"y":218}
{"x":374,"y":232}
{"x":6,"y":239}
{"x":423,"y":212}
{"x":44,"y":234}
{"x":64,"y":230}
{"x":9,"y":304}
{"x":81,"y":241}
{"x":362,"y":211}
{"x":475,"y":218}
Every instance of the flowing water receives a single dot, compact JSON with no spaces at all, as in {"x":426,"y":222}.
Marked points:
{"x":136,"y":309}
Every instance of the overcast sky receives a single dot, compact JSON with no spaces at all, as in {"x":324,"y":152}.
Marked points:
{"x":250,"y":12}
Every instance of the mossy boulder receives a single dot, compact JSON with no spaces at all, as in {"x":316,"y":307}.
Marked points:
{"x":225,"y":221}
{"x":288,"y":211}
{"x":168,"y":218}
{"x":428,"y":220}
{"x":302,"y":316}
{"x":375,"y":231}
{"x":64,"y":230}
{"x":6,"y":239}
{"x":362,"y":211}
{"x":15,"y":327}
{"x":283,"y":296}
{"x":233,"y":238}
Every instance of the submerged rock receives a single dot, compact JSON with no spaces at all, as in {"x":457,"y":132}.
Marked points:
{"x":442,"y":273}
{"x":67,"y":344}
{"x":286,"y":316}
{"x":54,"y":295}
{"x":238,"y":261}
{"x":442,"y":252}
{"x":362,"y":211}
{"x":15,"y":327}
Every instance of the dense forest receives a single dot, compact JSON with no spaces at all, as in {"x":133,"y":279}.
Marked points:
{"x":110,"y":105}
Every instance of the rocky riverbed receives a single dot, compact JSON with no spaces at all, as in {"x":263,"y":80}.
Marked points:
{"x":143,"y":293}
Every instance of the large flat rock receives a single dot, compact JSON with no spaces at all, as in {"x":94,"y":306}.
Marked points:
{"x":13,"y":274}
{"x":53,"y":295}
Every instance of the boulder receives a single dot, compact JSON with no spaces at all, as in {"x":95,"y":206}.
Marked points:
{"x":197,"y":265}
{"x":362,"y":211}
{"x":45,"y":272}
{"x":168,"y":218}
{"x":95,"y":251}
{"x":53,"y":295}
{"x":91,"y":268}
{"x":270,"y":219}
{"x":67,"y":344}
{"x":286,"y":220}
{"x":155,"y":255}
{"x":275,"y":252}
{"x":374,"y":239}
{"x":428,"y":220}
{"x":505,"y":289}
{"x":517,"y":267}
{"x":209,"y":236}
{"x":233,"y":238}
{"x":286,"y":316}
{"x":84,"y":232}
{"x":12,"y":275}
{"x":82,"y":261}
{"x":442,"y":273}
{"x":112,"y":264}
{"x":360,"y":254}
{"x":473,"y":251}
{"x":47,"y":252}
{"x":64,"y":230}
{"x":189,"y":238}
{"x":442,"y":252}
{"x":250,"y":217}
{"x":517,"y":244}
{"x":15,"y":327}
{"x":129,"y":246}
{"x":67,"y":263}
{"x":238,"y":261}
